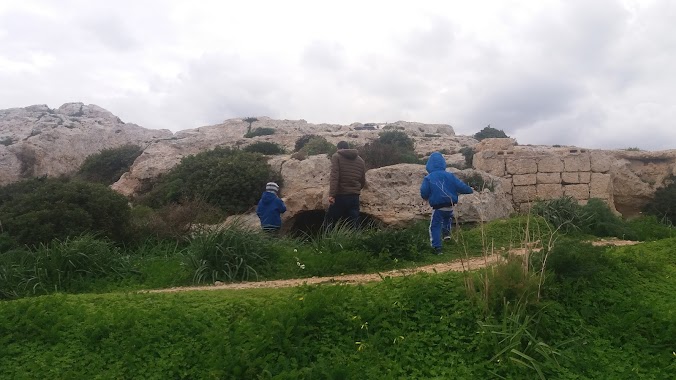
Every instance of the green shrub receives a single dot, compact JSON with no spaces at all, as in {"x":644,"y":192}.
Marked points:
{"x":107,"y":166}
{"x":249,"y":120}
{"x":563,"y":213}
{"x":229,"y":254}
{"x":301,"y":141}
{"x":649,"y":228}
{"x":468,"y":153}
{"x":663,"y":204}
{"x":396,"y":243}
{"x":173,"y":221}
{"x":601,"y":221}
{"x":39,"y":210}
{"x":68,"y":265}
{"x":377,"y":155}
{"x":229,"y":179}
{"x":396,"y":138}
{"x":318,"y":145}
{"x":489,"y":132}
{"x":477,"y":181}
{"x":28,"y":160}
{"x":264,"y":147}
{"x":261,"y":131}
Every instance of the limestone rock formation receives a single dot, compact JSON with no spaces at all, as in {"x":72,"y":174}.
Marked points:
{"x":626,"y":180}
{"x":38,"y":140}
{"x":392,"y":195}
{"x":162,"y":155}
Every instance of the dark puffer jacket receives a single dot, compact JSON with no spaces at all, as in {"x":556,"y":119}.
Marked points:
{"x":269,"y":209}
{"x":348,"y":173}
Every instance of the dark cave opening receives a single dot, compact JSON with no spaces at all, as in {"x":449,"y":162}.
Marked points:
{"x":310,"y":223}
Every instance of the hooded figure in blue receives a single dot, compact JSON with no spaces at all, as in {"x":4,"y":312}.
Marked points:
{"x":441,"y":188}
{"x":270,"y":208}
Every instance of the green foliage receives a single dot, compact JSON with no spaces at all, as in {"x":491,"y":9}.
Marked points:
{"x":377,"y":155}
{"x":301,"y":141}
{"x":107,"y":166}
{"x":477,"y":181}
{"x":603,"y":222}
{"x":633,"y":149}
{"x":28,"y":160}
{"x":649,"y":228}
{"x":396,"y":138}
{"x":396,"y":243}
{"x":418,"y":326}
{"x":261,"y":131}
{"x":264,"y":147}
{"x":318,"y":145}
{"x":594,"y":218}
{"x":391,"y":148}
{"x":468,"y":153}
{"x":68,"y":265}
{"x":6,"y":141}
{"x":173,"y":221}
{"x":596,"y":299}
{"x":490,"y":132}
{"x":249,"y":120}
{"x":663,"y":204}
{"x":229,"y":179}
{"x":519,"y":349}
{"x":228,"y":254}
{"x":563,"y":213}
{"x":39,"y":210}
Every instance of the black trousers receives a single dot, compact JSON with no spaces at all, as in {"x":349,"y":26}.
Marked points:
{"x":345,"y":208}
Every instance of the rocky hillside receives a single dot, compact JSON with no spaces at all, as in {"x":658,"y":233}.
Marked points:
{"x":38,"y":140}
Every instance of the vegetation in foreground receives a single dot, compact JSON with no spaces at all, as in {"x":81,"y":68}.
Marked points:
{"x":567,"y":311}
{"x":605,"y":313}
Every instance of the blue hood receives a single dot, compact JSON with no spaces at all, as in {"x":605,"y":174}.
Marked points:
{"x":268,"y":197}
{"x":436,"y":163}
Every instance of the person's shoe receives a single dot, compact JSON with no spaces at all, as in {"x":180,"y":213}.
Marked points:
{"x":447,"y":238}
{"x":438,"y":251}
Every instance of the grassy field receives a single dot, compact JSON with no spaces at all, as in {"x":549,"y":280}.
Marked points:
{"x":601,"y":313}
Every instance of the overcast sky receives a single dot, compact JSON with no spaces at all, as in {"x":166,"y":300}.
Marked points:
{"x":592,"y":73}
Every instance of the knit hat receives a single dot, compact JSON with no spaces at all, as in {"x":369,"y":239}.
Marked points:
{"x":271,"y":186}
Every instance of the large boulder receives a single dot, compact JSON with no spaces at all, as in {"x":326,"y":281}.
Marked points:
{"x":162,"y":155}
{"x":40,"y":141}
{"x":392,"y":195}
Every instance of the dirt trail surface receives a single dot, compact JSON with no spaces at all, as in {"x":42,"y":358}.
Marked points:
{"x":451,"y":266}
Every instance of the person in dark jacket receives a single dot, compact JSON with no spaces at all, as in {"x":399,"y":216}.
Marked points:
{"x":441,"y":188}
{"x":348,"y":177}
{"x":270,"y":208}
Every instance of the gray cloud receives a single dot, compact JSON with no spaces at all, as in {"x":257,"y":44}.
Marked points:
{"x":596,"y":74}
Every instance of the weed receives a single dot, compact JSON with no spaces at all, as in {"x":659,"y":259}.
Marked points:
{"x":227,"y":254}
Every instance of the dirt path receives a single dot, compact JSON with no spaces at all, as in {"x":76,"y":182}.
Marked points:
{"x":451,"y":266}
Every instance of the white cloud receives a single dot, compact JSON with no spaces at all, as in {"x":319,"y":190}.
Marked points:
{"x":595,"y":74}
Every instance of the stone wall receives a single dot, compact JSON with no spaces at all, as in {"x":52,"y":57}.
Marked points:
{"x":625,"y":180}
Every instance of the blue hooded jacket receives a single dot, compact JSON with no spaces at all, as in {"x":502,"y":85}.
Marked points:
{"x":269,"y":209}
{"x":439,"y":187}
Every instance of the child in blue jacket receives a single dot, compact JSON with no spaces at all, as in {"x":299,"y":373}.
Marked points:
{"x":441,"y":189}
{"x":270,"y":207}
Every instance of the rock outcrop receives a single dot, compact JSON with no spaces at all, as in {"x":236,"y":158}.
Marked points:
{"x":392,"y":195}
{"x":626,"y":180}
{"x":39,"y":141}
{"x":162,"y":155}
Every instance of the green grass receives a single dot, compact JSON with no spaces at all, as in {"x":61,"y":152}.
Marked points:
{"x":615,"y":321}
{"x":603,"y":313}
